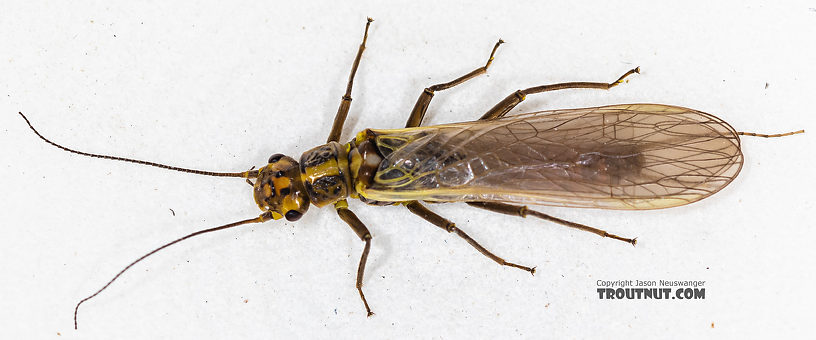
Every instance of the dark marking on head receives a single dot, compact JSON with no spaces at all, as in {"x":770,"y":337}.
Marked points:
{"x":285,"y":191}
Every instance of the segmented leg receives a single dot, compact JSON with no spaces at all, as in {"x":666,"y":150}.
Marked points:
{"x":754,"y":134}
{"x":508,"y":103}
{"x":415,"y":120}
{"x":360,"y":229}
{"x":523,"y":211}
{"x":421,"y":106}
{"x":439,"y":221}
{"x":345,"y":103}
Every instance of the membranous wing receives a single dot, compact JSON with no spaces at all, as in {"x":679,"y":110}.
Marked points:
{"x":639,"y":156}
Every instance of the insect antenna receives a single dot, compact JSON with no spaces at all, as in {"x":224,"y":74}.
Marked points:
{"x":769,"y":136}
{"x":245,"y":174}
{"x":259,"y":219}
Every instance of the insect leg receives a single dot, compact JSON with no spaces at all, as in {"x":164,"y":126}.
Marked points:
{"x":360,"y":229}
{"x":754,"y":134}
{"x":439,"y":221}
{"x":523,"y":211}
{"x":508,"y":103}
{"x":345,"y":103}
{"x":421,"y":106}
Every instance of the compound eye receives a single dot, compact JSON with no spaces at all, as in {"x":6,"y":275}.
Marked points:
{"x":274,"y":158}
{"x":293,"y":215}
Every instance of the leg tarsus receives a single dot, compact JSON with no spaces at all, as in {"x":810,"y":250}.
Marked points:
{"x":362,"y":232}
{"x":472,"y":74}
{"x":487,"y":253}
{"x":345,"y":103}
{"x":439,"y":221}
{"x":508,"y":103}
{"x":523,"y":211}
{"x":623,"y":77}
{"x":421,"y":106}
{"x":754,"y":134}
{"x":360,"y":270}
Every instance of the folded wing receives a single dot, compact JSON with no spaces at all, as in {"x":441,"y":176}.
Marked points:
{"x":639,"y":156}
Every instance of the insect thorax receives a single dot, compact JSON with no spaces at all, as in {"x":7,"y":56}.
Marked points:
{"x":365,"y":159}
{"x":325,"y":173}
{"x":334,"y":171}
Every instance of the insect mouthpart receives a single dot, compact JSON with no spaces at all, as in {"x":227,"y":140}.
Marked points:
{"x":280,"y":190}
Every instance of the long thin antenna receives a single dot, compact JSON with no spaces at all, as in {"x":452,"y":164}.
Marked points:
{"x":245,"y":174}
{"x":264,"y":217}
{"x":769,"y":136}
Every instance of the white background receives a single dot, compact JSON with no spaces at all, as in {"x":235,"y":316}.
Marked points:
{"x":221,"y":87}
